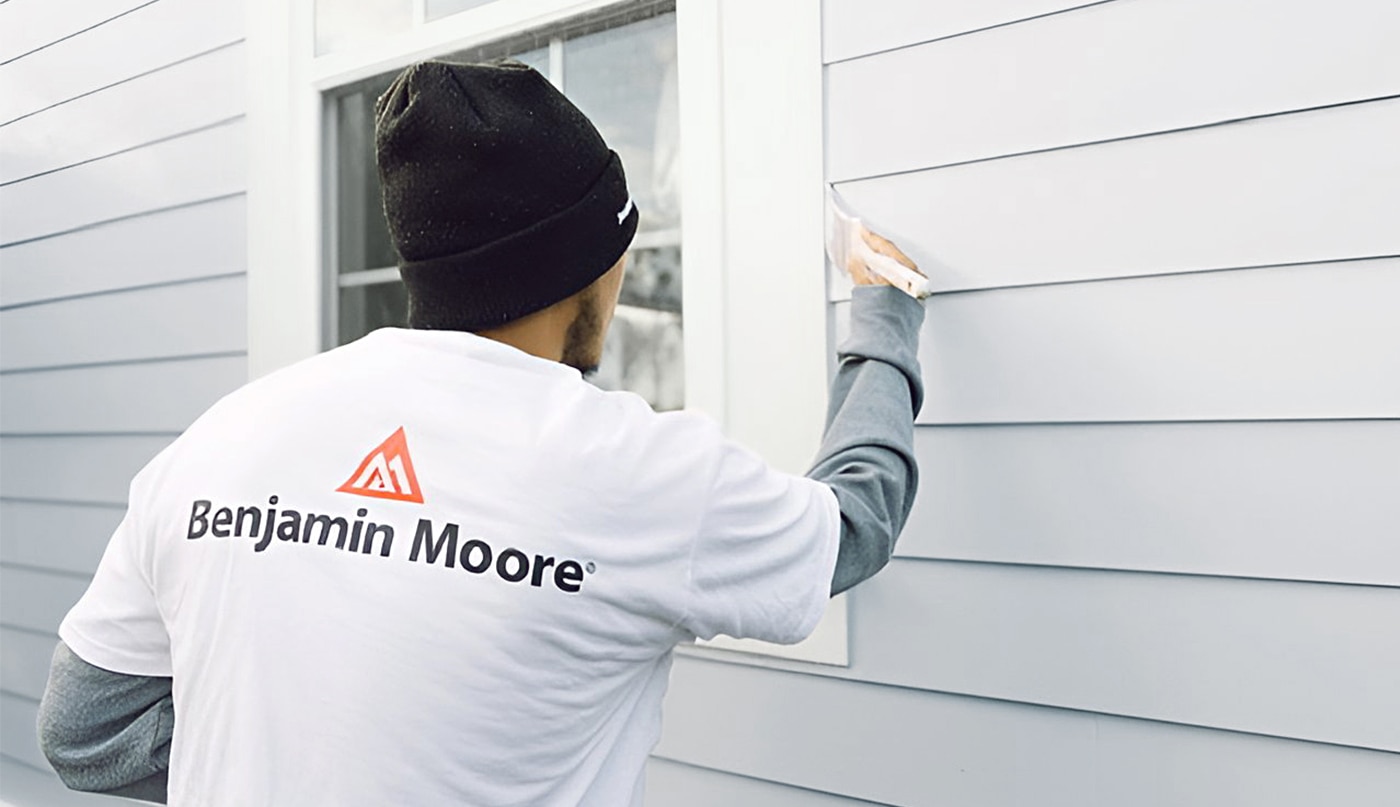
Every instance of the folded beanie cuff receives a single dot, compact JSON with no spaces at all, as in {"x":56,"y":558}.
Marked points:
{"x":561,"y":255}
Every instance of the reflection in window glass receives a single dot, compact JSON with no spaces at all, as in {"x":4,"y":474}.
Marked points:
{"x":342,"y":24}
{"x":624,"y":80}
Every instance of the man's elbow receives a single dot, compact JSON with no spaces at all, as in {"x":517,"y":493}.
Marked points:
{"x":62,"y":741}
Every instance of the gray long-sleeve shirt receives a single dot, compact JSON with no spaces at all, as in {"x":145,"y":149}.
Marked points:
{"x":109,"y":732}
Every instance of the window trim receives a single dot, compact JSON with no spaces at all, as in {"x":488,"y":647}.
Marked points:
{"x":751,"y":127}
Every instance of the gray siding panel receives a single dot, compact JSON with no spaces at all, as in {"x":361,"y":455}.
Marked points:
{"x":187,"y":169}
{"x":34,"y":600}
{"x":205,"y":90}
{"x":161,"y":396}
{"x":82,"y":468}
{"x":1298,"y":660}
{"x":1004,"y":91}
{"x":1318,"y":341}
{"x":24,"y":666}
{"x":1290,"y":500}
{"x":1202,"y":199}
{"x":853,"y":28}
{"x":17,"y":730}
{"x":58,"y":536}
{"x":166,"y":31}
{"x":902,"y":746}
{"x":671,"y":784}
{"x":122,"y":302}
{"x":167,"y":321}
{"x":186,"y":243}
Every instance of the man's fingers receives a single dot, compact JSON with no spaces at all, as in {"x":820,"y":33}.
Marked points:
{"x":884,"y":246}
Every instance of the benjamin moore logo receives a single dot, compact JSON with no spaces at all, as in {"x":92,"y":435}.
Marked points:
{"x":386,"y":473}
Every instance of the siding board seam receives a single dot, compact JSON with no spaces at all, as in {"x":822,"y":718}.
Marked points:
{"x":119,"y":82}
{"x":127,"y":217}
{"x":968,"y":32}
{"x":54,"y":435}
{"x":157,"y":141}
{"x":63,"y":502}
{"x":16,"y":760}
{"x":778,"y":782}
{"x":218,"y":354}
{"x":715,"y":656}
{"x":76,"y":33}
{"x":1124,"y":138}
{"x":10,"y":693}
{"x":1180,"y":273}
{"x":44,"y":634}
{"x":31,"y":568}
{"x":1163,"y":572}
{"x":184,"y":281}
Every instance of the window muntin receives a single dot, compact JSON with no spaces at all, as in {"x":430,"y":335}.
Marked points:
{"x":620,"y":69}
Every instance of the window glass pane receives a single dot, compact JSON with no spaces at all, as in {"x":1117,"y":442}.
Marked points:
{"x":624,"y":80}
{"x":362,"y":235}
{"x":441,"y":8}
{"x":342,"y":24}
{"x":644,"y":351}
{"x":365,"y":308}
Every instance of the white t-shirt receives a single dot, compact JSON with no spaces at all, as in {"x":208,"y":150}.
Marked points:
{"x":428,"y":568}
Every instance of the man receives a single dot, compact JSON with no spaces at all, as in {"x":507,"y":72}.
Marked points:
{"x":435,"y":565}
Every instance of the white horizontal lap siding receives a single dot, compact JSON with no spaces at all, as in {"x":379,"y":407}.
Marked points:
{"x":184,"y":97}
{"x":1171,"y":427}
{"x":1286,"y":500}
{"x":895,"y":745}
{"x":1112,"y":70}
{"x":853,"y":28}
{"x":673,"y":784}
{"x":30,"y":26}
{"x":122,"y":293}
{"x":24,"y":666}
{"x":186,"y":319}
{"x":1308,"y":186}
{"x":90,"y":469}
{"x":148,"y":39}
{"x":1313,"y":341}
{"x":1308,"y":661}
{"x":190,"y":168}
{"x":160,"y":396}
{"x":202,"y":239}
{"x":62,"y":536}
{"x":17,"y":731}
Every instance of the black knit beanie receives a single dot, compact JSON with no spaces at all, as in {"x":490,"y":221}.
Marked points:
{"x":502,"y":198}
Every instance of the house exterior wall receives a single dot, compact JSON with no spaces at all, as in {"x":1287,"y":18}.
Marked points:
{"x":1153,"y":558}
{"x":122,"y":313}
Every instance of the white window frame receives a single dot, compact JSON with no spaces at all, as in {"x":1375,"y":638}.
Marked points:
{"x":754,"y":280}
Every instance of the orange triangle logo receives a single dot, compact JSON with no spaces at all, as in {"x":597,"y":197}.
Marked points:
{"x":386,"y":473}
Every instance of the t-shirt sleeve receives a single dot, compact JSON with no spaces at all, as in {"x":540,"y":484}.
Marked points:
{"x":117,"y":624}
{"x":762,"y":560}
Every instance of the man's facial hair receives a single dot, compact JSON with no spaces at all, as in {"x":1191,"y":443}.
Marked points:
{"x":583,"y":340}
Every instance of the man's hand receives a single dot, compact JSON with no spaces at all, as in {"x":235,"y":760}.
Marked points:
{"x":861,"y":274}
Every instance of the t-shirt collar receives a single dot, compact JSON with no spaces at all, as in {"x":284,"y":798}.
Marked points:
{"x":463,"y":343}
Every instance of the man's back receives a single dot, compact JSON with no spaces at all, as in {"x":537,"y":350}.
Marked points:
{"x":505,"y":640}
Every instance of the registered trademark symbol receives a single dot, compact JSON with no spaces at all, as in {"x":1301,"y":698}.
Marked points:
{"x":590,"y":567}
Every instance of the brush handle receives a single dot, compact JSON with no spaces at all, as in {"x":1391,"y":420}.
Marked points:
{"x":900,"y":276}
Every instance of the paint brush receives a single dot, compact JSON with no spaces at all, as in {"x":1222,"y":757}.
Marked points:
{"x":845,"y":242}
